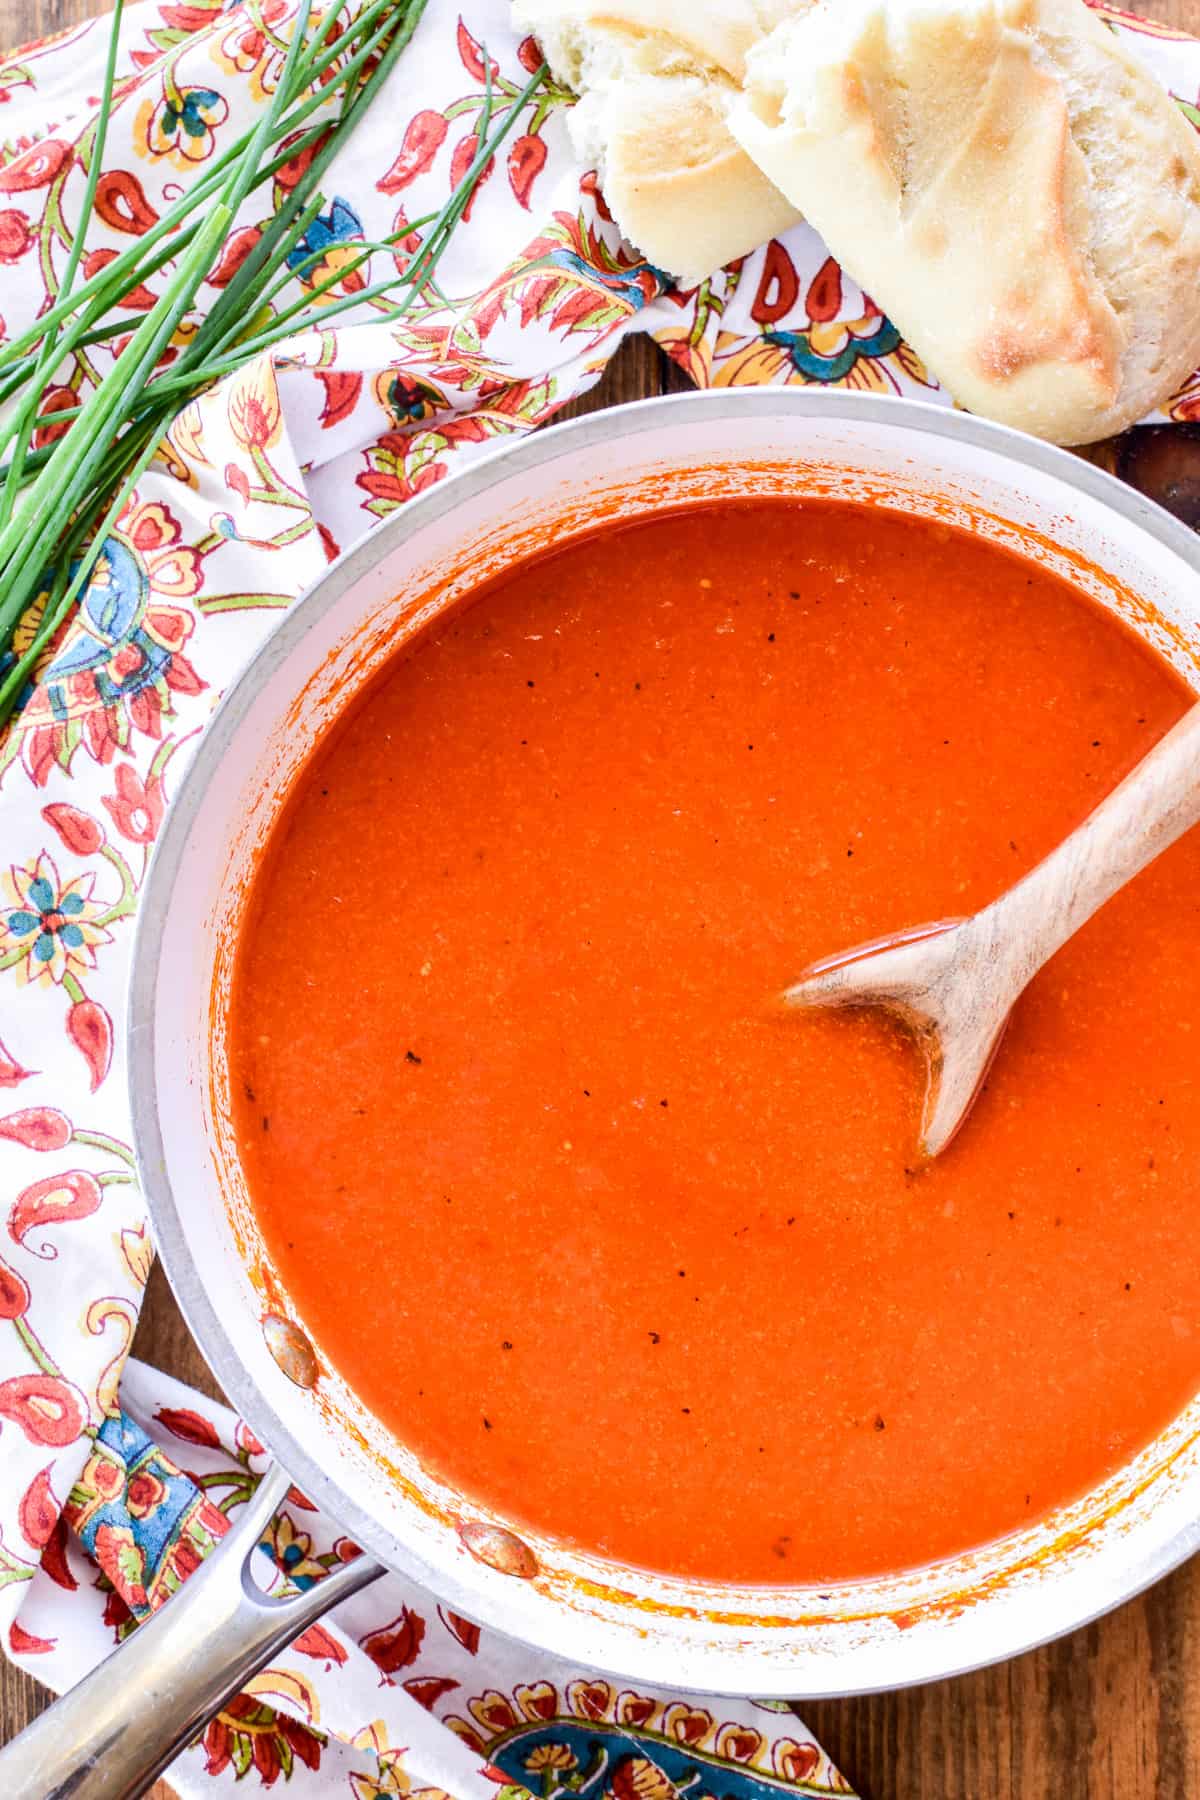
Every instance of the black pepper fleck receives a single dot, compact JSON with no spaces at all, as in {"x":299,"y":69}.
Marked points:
{"x":412,"y":1057}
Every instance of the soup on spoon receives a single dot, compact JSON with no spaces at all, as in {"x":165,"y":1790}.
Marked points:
{"x":611,"y":1248}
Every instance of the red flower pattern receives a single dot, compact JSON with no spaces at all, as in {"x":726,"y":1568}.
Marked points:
{"x":122,"y":204}
{"x":55,"y":1200}
{"x":251,"y":1735}
{"x":145,"y":1492}
{"x":55,"y":399}
{"x":465,"y":1630}
{"x":24,"y":1643}
{"x":136,"y":809}
{"x":15,"y":235}
{"x":77,"y":830}
{"x":37,"y":1128}
{"x":38,"y":1511}
{"x":423,"y":137}
{"x":465,"y":152}
{"x":526,"y":160}
{"x":11,"y":1072}
{"x":54,"y":1558}
{"x":237,"y":248}
{"x":471,"y":53}
{"x":35,"y":167}
{"x":90,"y":1030}
{"x":14,"y":1293}
{"x":191,"y":1426}
{"x":47,"y":1408}
{"x":395,"y":1646}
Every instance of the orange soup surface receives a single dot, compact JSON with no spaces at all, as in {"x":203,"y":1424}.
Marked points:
{"x":615,"y":1250}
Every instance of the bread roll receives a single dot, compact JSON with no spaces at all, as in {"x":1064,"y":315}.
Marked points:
{"x":655,"y":78}
{"x":1015,"y":190}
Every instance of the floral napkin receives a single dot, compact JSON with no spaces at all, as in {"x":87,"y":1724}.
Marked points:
{"x":114,"y":1480}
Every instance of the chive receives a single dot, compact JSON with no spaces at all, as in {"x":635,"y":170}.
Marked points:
{"x":59,"y":501}
{"x":24,"y":423}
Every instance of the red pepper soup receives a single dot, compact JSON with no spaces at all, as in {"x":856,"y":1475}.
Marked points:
{"x":614,"y":1249}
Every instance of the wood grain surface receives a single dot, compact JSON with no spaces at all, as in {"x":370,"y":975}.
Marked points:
{"x":1110,"y":1713}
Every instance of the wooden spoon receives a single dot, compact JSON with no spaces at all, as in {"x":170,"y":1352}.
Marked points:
{"x":954,"y":984}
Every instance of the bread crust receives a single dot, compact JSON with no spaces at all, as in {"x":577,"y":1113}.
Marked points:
{"x":1012,"y":187}
{"x":655,"y":81}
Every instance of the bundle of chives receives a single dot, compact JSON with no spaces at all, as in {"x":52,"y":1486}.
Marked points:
{"x":59,"y":500}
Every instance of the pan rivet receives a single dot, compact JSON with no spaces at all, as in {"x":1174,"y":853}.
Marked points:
{"x":499,"y":1549}
{"x":291,"y":1350}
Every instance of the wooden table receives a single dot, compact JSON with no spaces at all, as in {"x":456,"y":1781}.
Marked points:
{"x":1111,"y":1713}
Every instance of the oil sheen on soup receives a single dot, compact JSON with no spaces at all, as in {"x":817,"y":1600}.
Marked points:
{"x":613,"y":1248}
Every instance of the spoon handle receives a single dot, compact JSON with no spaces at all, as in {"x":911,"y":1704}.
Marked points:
{"x":1155,"y":804}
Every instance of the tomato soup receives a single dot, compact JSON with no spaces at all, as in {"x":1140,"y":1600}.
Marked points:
{"x":616,"y":1250}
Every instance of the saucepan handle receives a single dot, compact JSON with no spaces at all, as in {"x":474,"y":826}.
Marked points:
{"x":119,"y":1728}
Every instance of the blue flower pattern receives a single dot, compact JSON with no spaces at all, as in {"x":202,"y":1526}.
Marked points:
{"x":340,"y":225}
{"x":53,"y":918}
{"x":188,"y":114}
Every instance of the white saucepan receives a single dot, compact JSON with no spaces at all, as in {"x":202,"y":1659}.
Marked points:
{"x":112,"y":1735}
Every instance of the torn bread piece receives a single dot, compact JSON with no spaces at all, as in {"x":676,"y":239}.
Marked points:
{"x":1009,"y":184}
{"x":655,"y":80}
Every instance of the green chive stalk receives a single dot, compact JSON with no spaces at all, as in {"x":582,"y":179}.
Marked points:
{"x":59,"y":500}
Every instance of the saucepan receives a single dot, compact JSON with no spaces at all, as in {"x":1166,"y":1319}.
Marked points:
{"x":122,"y":1725}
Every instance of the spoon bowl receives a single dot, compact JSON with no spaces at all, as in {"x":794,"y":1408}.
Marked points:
{"x":953,"y":984}
{"x":924,"y":978}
